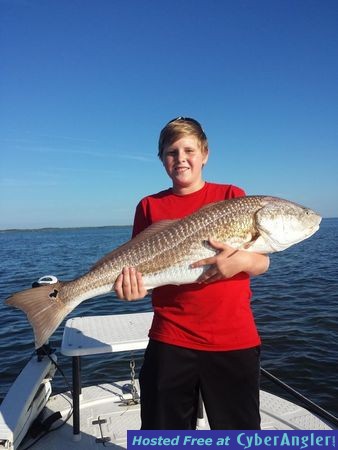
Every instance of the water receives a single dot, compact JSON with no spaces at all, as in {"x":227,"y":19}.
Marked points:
{"x":295,"y":305}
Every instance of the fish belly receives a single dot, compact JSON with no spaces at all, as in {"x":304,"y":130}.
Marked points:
{"x":180,"y":273}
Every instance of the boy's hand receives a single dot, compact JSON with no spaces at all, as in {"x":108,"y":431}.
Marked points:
{"x":129,"y":285}
{"x":228,"y":262}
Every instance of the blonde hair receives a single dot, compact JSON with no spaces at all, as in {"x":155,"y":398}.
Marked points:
{"x":178,"y":128}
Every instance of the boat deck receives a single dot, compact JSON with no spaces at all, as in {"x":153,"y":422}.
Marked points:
{"x":108,"y":404}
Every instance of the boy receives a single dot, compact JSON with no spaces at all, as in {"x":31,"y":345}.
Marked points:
{"x":203,"y":336}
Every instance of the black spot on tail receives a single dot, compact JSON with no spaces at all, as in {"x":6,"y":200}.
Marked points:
{"x":54,"y":294}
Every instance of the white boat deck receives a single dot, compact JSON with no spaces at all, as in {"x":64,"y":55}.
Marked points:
{"x":105,"y":402}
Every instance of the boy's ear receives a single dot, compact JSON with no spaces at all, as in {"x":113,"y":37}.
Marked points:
{"x":205,"y":156}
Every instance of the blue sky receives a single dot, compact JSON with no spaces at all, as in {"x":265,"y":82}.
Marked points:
{"x":86,"y":86}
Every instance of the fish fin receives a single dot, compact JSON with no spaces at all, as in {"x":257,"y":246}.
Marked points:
{"x":152,"y":229}
{"x":248,"y":244}
{"x":257,"y":245}
{"x":44,"y":308}
{"x":209,"y":205}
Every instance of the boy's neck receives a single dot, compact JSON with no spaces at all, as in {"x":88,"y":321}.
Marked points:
{"x":184,"y":190}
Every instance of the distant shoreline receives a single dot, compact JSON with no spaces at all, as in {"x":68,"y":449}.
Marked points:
{"x":61,"y":228}
{"x":4,"y":230}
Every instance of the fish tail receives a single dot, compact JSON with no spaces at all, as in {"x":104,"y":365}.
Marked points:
{"x":44,"y":308}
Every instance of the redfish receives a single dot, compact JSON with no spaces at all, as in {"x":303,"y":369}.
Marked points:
{"x":164,"y":252}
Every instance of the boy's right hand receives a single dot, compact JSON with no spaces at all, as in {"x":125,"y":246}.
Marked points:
{"x":129,"y":285}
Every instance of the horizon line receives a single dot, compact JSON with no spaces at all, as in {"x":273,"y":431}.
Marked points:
{"x":75,"y":227}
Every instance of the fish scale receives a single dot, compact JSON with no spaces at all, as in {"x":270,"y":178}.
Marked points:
{"x":164,"y":252}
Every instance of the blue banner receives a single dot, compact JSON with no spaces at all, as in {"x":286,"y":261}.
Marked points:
{"x":237,"y":440}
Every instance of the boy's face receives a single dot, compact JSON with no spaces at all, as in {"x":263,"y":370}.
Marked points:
{"x":183,"y":160}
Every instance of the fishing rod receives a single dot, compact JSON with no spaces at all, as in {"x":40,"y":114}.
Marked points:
{"x":311,"y":406}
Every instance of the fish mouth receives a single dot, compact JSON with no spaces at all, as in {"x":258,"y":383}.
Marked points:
{"x":315,"y":227}
{"x":316,"y":219}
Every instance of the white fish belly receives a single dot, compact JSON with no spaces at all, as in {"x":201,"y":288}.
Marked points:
{"x":180,"y":273}
{"x":174,"y":275}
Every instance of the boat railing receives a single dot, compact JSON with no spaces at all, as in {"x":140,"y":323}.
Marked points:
{"x":308,"y":404}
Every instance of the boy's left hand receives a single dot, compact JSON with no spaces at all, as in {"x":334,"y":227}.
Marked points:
{"x":228,"y":262}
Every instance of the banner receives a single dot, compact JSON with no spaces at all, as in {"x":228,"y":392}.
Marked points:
{"x":237,"y":440}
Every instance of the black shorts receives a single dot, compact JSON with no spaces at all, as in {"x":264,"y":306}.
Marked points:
{"x":172,"y":377}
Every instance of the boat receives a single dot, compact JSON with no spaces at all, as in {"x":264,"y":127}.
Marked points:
{"x":31,"y":416}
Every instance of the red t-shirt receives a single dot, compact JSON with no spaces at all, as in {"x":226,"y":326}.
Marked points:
{"x":215,"y":316}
